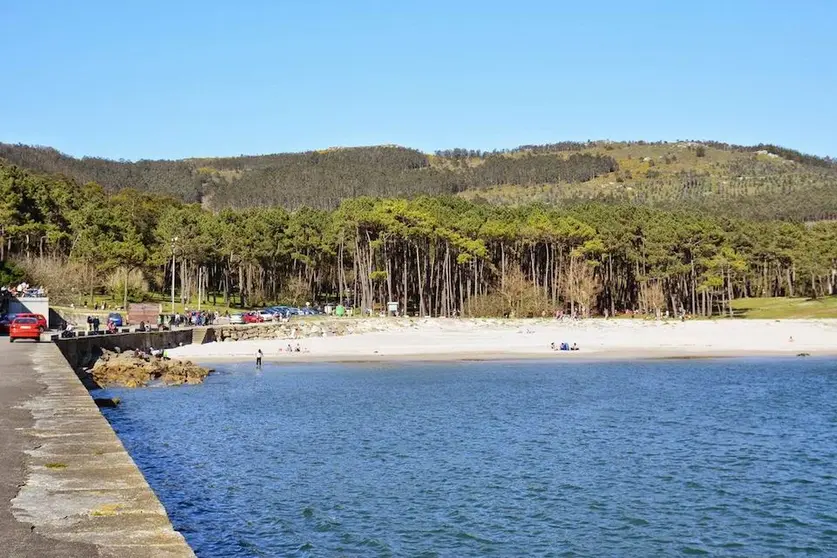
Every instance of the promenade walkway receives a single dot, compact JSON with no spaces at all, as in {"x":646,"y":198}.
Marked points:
{"x":68,"y":488}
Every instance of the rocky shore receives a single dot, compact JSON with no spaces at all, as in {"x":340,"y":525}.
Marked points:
{"x":132,"y":369}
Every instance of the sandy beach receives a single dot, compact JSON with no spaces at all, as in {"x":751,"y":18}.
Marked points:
{"x":492,"y":339}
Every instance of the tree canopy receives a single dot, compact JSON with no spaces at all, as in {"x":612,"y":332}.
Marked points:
{"x":754,"y":182}
{"x":436,"y":255}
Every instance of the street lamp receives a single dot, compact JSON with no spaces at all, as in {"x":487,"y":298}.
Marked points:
{"x":173,"y":271}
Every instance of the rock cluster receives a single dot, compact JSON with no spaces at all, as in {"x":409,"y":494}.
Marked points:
{"x":129,"y":370}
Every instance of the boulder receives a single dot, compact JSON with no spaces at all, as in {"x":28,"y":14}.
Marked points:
{"x":128,"y":370}
{"x":106,"y":402}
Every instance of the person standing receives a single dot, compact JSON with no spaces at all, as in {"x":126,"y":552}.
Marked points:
{"x":259,"y":358}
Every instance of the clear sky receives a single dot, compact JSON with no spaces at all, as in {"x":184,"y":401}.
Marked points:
{"x":178,"y":78}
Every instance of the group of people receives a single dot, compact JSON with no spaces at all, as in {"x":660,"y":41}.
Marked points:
{"x":195,"y":318}
{"x":562,"y":316}
{"x":289,"y":349}
{"x":151,"y":352}
{"x":94,"y":324}
{"x":104,"y":306}
{"x":564,"y":347}
{"x":23,"y":290}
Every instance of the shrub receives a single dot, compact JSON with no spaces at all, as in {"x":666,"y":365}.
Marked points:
{"x":137,"y":285}
{"x":10,"y":274}
{"x":64,"y":281}
{"x":297,"y":291}
{"x":517,"y":297}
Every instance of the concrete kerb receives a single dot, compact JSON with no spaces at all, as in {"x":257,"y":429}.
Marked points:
{"x":81,"y":484}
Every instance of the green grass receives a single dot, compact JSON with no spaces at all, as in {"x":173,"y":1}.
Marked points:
{"x":785,"y":308}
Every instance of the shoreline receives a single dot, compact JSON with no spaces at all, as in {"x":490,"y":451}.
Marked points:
{"x":557,"y":356}
{"x":492,"y":340}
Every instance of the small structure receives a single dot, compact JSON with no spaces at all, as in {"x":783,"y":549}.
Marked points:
{"x":392,"y":308}
{"x":30,"y":305}
{"x":144,"y":312}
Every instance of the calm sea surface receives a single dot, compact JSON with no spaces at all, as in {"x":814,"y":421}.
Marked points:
{"x":665,"y":458}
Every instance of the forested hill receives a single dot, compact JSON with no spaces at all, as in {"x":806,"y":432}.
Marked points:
{"x":317,"y":179}
{"x":761,"y":181}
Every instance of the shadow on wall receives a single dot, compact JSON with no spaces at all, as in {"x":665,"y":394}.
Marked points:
{"x":55,"y":320}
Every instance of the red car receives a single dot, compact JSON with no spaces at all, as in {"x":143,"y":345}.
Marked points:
{"x":42,"y":322}
{"x":25,"y":328}
{"x":252,"y":318}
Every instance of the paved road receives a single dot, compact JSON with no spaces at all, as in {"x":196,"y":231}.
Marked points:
{"x":18,"y":384}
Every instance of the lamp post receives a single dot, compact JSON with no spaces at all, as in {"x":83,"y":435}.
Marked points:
{"x":173,"y":271}
{"x":200,"y":282}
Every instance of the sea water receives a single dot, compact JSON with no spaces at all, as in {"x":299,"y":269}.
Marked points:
{"x":648,"y":458}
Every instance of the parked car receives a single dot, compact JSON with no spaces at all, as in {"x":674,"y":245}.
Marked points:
{"x":24,"y":328}
{"x":116,"y":318}
{"x":253,"y":318}
{"x":267,"y":315}
{"x":308,"y":311}
{"x":42,"y":322}
{"x":236,"y":318}
{"x":279,"y":312}
{"x":6,"y":321}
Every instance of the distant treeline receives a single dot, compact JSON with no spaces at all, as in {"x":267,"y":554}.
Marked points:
{"x":792,"y":185}
{"x":785,"y":153}
{"x":174,"y":178}
{"x":318,"y":179}
{"x":439,"y":255}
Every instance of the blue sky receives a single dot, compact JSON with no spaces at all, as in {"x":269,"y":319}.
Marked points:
{"x":173,"y":79}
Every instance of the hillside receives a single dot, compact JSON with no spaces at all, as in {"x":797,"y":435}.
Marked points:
{"x":751,"y":181}
{"x":437,"y":255}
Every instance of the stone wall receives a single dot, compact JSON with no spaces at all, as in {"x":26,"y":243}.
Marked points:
{"x":60,"y":317}
{"x":80,"y":350}
{"x":299,"y":329}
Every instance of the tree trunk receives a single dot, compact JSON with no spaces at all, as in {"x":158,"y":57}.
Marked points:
{"x":729,"y":292}
{"x":125,"y":297}
{"x":419,"y":271}
{"x":790,"y":281}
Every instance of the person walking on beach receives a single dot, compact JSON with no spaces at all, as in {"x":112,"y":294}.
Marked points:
{"x":259,"y":358}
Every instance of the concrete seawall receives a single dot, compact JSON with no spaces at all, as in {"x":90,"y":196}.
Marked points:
{"x":81,"y":487}
{"x":77,"y":349}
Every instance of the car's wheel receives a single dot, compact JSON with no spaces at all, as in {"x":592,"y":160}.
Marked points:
{"x":11,"y":339}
